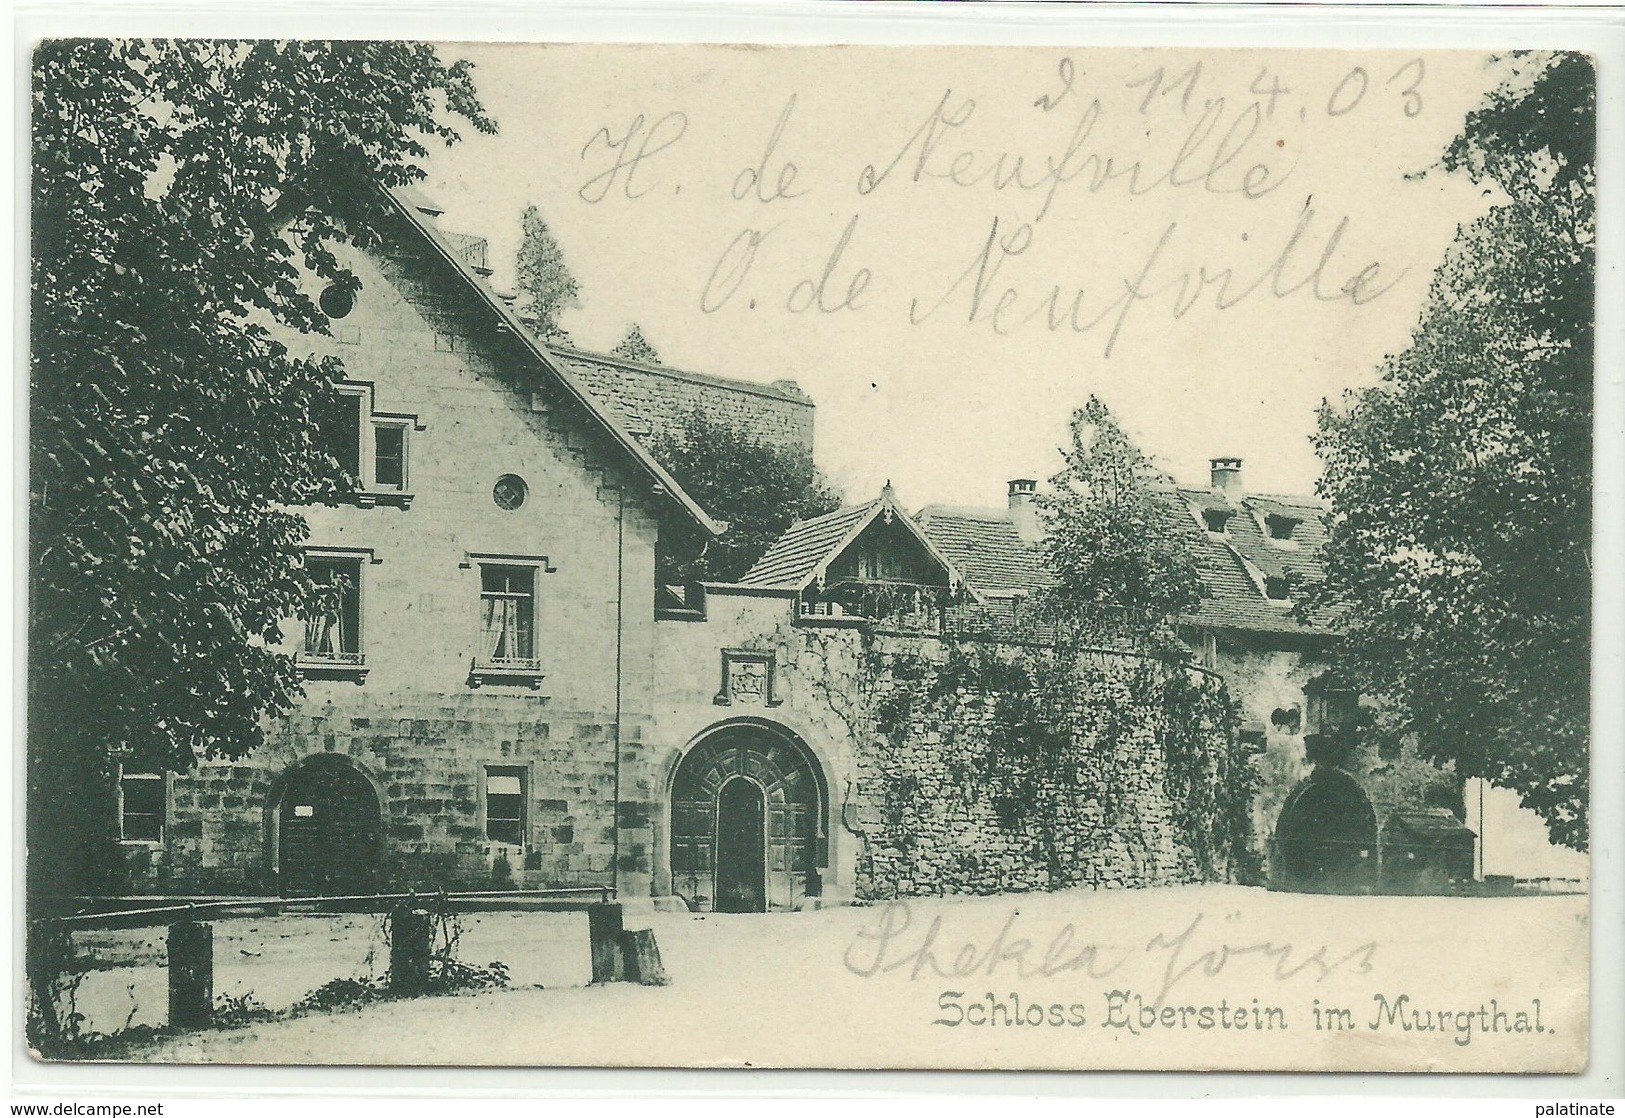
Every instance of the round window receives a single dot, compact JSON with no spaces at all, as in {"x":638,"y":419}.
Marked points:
{"x":337,"y":301}
{"x":509,"y":492}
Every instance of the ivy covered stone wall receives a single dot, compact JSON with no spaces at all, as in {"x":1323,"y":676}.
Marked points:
{"x":993,"y":768}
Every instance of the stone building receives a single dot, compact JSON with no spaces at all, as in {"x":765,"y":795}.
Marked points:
{"x":479,"y":687}
{"x":783,"y":789}
{"x":498,"y":694}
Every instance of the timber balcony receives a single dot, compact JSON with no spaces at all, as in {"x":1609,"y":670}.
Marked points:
{"x":905,"y":606}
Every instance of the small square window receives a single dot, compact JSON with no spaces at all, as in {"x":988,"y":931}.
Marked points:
{"x":141,"y":807}
{"x":1277,"y":588}
{"x":505,"y":804}
{"x":1215,"y":520}
{"x":333,"y":619}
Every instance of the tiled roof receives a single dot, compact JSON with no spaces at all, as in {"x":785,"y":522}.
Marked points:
{"x":1233,"y":564}
{"x":652,"y":399}
{"x":986,"y":548}
{"x":984,"y":545}
{"x":805,"y":547}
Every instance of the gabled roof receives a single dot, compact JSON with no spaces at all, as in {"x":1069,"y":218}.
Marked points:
{"x":417,"y":211}
{"x":1235,"y":564}
{"x":800,"y":557}
{"x":985,"y":546}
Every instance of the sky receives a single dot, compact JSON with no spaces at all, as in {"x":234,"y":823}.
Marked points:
{"x":951,"y":248}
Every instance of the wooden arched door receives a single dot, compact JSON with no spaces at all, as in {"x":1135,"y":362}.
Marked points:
{"x":329,"y":830}
{"x":742,"y":843}
{"x":747,"y":822}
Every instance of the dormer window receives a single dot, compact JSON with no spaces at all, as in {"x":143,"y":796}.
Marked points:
{"x":1277,"y":588}
{"x":1215,"y":520}
{"x":1280,"y":527}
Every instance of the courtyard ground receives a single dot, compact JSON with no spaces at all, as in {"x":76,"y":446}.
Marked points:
{"x":1074,"y":979}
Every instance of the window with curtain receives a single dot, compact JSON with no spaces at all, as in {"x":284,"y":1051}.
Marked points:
{"x":333,"y":624}
{"x":508,"y":614}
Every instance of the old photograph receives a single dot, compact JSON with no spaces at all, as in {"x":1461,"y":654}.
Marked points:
{"x":928,"y":557}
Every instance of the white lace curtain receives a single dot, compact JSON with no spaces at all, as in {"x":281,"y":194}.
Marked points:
{"x":324,"y":630}
{"x":504,"y":639}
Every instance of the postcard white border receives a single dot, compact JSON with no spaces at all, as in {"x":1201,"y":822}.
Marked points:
{"x":1599,"y":30}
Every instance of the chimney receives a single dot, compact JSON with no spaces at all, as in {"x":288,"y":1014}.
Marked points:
{"x":1023,"y":513}
{"x":1227,"y":476}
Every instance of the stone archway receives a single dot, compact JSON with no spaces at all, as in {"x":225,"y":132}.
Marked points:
{"x":1326,"y":838}
{"x":327,"y":828}
{"x":749,"y":818}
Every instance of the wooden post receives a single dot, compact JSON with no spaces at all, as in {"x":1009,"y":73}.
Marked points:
{"x":411,"y":944}
{"x":49,"y":957}
{"x":604,"y":938}
{"x":641,"y":956}
{"x":191,"y":974}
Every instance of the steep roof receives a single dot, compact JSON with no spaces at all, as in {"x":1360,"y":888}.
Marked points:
{"x":987,"y":549}
{"x":806,"y":549}
{"x":418,"y":213}
{"x":1235,"y":564}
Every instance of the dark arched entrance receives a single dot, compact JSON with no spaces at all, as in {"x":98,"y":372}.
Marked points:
{"x":741,"y":847}
{"x":329,"y":830}
{"x":1326,"y":839}
{"x":747,"y":822}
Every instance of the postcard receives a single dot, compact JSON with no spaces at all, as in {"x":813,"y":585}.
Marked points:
{"x":928,"y":557}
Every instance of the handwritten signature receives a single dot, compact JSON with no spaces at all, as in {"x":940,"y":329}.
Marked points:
{"x":979,"y":294}
{"x":887,"y":946}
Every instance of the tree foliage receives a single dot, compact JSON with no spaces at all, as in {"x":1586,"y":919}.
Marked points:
{"x":1109,"y":541}
{"x":181,"y":193}
{"x":756,"y":487}
{"x":1459,"y":555}
{"x":543,"y":277}
{"x":635,"y":347}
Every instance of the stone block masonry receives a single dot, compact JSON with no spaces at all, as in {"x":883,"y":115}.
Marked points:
{"x":426,"y":757}
{"x":652,"y":400}
{"x":919,"y":805}
{"x":952,"y":802}
{"x":408,"y":727}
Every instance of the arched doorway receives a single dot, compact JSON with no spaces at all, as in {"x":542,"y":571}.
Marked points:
{"x":1326,"y":839}
{"x":747,"y":821}
{"x":329,"y":829}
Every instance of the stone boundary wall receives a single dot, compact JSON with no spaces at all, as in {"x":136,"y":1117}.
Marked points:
{"x":929,"y":826}
{"x":949,"y":839}
{"x":653,"y":400}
